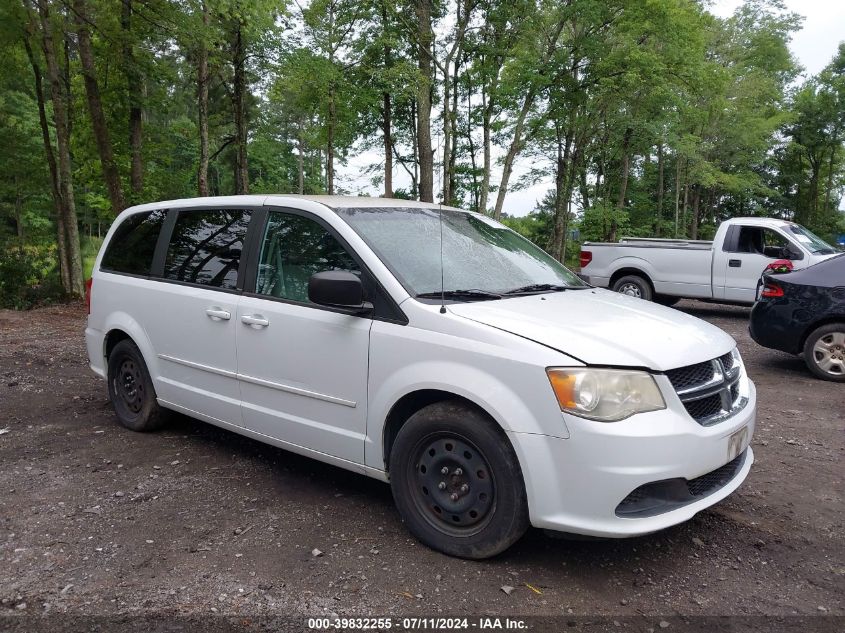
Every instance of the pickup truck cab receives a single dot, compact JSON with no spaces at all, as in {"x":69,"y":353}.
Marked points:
{"x":428,"y":347}
{"x":724,"y":270}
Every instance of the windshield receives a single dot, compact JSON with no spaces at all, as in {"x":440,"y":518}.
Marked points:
{"x":810,"y":241}
{"x":479,"y":254}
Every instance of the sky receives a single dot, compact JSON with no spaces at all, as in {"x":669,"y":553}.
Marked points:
{"x":813,"y":47}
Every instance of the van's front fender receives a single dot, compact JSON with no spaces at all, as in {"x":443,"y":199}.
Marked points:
{"x":505,"y":381}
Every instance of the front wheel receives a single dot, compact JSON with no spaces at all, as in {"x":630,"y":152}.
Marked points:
{"x":457,"y":483}
{"x":824,"y":352}
{"x":633,"y":286}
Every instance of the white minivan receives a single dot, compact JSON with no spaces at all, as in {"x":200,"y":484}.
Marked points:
{"x":425,"y":346}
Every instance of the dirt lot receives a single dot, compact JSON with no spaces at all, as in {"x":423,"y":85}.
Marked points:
{"x":193,"y":520}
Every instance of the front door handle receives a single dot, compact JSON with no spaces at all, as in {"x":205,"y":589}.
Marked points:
{"x":735,"y":263}
{"x":218,"y":314}
{"x":254,"y":320}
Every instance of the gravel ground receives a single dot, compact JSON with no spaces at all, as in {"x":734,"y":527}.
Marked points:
{"x":98,"y":521}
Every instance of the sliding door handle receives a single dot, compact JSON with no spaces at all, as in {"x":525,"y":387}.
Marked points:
{"x":218,"y":314}
{"x":254,"y":320}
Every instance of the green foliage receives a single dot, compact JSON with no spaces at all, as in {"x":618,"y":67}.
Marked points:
{"x":611,"y":97}
{"x":28,"y":277}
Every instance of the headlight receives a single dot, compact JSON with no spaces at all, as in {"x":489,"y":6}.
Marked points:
{"x":606,"y":395}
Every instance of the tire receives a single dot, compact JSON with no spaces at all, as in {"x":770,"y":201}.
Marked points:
{"x":633,"y":286}
{"x":131,"y":389}
{"x":477,"y":508}
{"x":666,"y":300}
{"x":824,"y":352}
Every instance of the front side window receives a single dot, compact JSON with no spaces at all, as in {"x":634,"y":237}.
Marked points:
{"x":206,"y":247}
{"x":478,"y":254}
{"x":293,"y":249}
{"x":133,"y":244}
{"x":759,"y":240}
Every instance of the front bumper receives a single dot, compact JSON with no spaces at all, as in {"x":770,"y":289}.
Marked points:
{"x":576,"y":484}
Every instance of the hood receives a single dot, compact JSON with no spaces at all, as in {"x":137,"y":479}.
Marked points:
{"x":600,"y":327}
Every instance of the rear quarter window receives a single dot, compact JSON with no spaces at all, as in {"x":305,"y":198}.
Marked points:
{"x":206,"y":247}
{"x":133,"y":244}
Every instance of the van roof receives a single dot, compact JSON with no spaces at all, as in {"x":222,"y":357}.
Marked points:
{"x":333,"y":202}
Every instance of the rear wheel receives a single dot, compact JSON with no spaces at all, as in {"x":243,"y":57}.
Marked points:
{"x":824,"y":352}
{"x":131,"y":389}
{"x":457,"y":483}
{"x":633,"y":286}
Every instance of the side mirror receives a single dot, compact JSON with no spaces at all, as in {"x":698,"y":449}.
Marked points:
{"x":338,"y":289}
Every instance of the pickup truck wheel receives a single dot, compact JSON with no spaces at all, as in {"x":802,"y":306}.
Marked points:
{"x":131,"y":389}
{"x":633,"y":286}
{"x":824,"y":352}
{"x":457,"y":482}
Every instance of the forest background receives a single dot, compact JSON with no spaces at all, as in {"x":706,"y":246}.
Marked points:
{"x":644,"y":117}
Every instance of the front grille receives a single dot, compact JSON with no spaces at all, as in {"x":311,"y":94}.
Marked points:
{"x":706,"y":407}
{"x":691,"y":376}
{"x":709,"y":390}
{"x":662,"y":496}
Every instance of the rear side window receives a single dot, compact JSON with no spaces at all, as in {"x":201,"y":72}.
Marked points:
{"x":206,"y":247}
{"x":132,"y":246}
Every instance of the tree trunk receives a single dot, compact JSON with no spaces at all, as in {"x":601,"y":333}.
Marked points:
{"x":626,"y":169}
{"x":677,"y":191}
{"x":486,"y":116}
{"x":562,"y":168}
{"x":515,"y":148}
{"x":659,"y":189}
{"x":570,"y":187}
{"x":202,"y":105}
{"x":388,"y":145}
{"x":425,"y":155}
{"x":134,"y":89}
{"x":61,"y":243}
{"x":330,"y":144}
{"x":833,"y":147}
{"x":623,"y":185}
{"x":239,"y":108}
{"x":696,"y":197}
{"x":300,"y":159}
{"x":95,"y":108}
{"x":71,"y":229}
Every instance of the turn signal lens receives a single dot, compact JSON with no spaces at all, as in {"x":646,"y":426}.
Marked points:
{"x":605,"y":395}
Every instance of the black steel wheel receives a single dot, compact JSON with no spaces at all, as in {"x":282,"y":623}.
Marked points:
{"x":457,"y":482}
{"x":455,"y":489}
{"x":131,"y":389}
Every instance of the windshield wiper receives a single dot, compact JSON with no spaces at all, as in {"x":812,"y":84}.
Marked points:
{"x":480,"y":295}
{"x":539,"y":288}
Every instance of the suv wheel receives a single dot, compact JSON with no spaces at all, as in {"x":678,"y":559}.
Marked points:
{"x":131,"y":389}
{"x":633,"y":286}
{"x":824,"y":352}
{"x":457,"y":482}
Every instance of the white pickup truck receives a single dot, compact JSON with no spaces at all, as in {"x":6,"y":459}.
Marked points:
{"x":724,"y":270}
